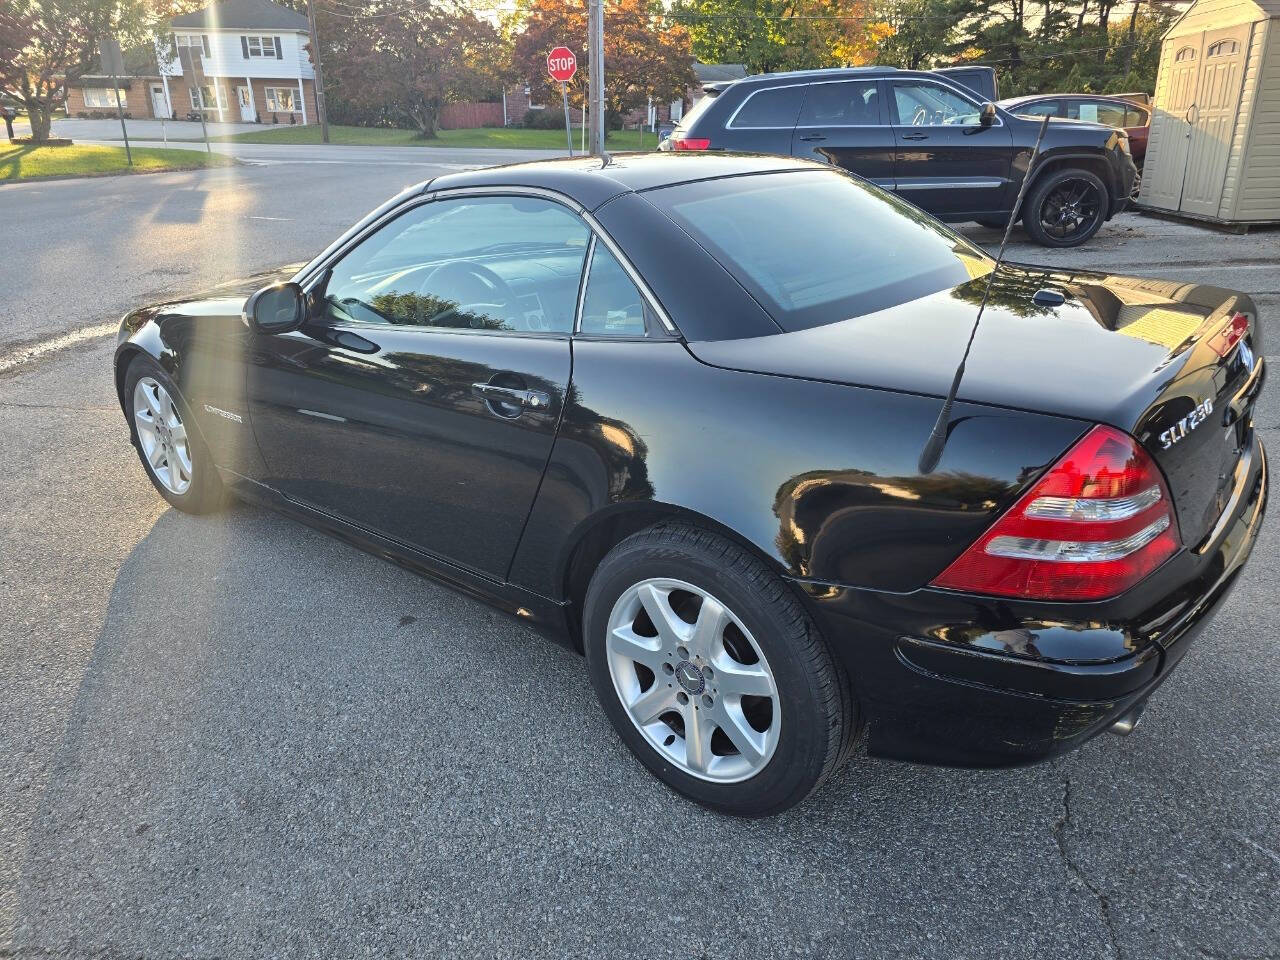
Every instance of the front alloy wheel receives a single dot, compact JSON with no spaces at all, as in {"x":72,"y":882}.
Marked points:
{"x":162,"y":435}
{"x":1065,"y":208}
{"x":693,"y":680}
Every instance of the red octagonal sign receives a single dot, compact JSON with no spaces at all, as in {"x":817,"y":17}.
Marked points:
{"x":562,"y":64}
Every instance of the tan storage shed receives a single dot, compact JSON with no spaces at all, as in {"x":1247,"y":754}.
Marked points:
{"x":1214,"y":148}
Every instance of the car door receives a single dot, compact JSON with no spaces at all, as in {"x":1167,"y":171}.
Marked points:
{"x":946,"y":161}
{"x":420,"y":400}
{"x":846,"y":123}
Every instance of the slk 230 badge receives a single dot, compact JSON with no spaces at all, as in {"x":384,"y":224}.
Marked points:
{"x":1188,"y":423}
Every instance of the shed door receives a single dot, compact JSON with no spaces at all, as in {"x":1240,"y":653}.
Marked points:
{"x":1213,"y":118}
{"x":1166,"y":162}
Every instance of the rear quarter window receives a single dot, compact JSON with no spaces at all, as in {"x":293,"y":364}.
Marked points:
{"x":770,"y":108}
{"x":817,"y":247}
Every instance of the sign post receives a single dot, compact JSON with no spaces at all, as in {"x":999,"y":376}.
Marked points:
{"x":562,"y":64}
{"x":187,"y":59}
{"x":113,"y":65}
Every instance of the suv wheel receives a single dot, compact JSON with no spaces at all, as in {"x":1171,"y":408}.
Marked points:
{"x":712,"y":672}
{"x":1065,"y":208}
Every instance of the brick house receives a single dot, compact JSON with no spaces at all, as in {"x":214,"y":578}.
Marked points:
{"x":250,"y":63}
{"x":90,"y":96}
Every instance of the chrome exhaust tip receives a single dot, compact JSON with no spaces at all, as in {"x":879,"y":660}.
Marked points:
{"x":1126,"y":724}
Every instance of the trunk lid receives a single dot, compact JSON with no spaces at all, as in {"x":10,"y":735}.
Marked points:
{"x":1140,"y":355}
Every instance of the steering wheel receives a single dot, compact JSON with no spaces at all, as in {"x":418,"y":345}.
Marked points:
{"x":472,"y":284}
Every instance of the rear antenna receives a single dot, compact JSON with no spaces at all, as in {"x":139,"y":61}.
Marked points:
{"x":932,"y":451}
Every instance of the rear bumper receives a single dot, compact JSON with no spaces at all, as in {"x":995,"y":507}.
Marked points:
{"x":974,"y":681}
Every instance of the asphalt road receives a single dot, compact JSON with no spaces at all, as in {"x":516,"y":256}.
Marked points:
{"x":232,"y":736}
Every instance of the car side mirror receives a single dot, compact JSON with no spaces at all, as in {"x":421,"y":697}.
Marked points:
{"x":988,"y":115}
{"x":278,"y":308}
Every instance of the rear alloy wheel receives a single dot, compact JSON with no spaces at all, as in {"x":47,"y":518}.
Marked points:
{"x":693,"y":680}
{"x":712,"y":672}
{"x":1065,"y":208}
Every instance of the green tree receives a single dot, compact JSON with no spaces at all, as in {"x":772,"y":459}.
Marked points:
{"x":45,"y":44}
{"x":401,"y":63}
{"x":769,"y":35}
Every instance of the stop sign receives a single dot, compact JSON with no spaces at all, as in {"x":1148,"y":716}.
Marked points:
{"x":562,"y":64}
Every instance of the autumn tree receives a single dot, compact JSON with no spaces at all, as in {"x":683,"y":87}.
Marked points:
{"x":645,"y":54}
{"x":45,"y":44}
{"x":770,"y":35}
{"x":401,"y":63}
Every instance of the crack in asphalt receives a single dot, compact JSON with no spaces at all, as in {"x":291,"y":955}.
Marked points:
{"x":1060,"y":828}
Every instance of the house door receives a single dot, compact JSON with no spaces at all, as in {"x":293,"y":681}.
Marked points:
{"x":247,"y":113}
{"x":159,"y":105}
{"x":1170,"y":123}
{"x":1213,"y":118}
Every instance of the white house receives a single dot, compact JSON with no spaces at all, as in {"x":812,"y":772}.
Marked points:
{"x":250,"y":61}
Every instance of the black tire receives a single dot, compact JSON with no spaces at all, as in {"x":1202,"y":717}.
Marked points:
{"x":1041,"y":204}
{"x":818,"y":717}
{"x":206,"y":492}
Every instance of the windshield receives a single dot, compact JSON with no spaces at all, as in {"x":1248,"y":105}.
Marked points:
{"x":816,"y":247}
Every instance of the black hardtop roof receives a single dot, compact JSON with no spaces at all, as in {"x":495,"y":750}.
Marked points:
{"x":591,"y":182}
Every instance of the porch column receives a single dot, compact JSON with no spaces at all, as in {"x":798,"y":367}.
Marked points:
{"x":302,"y":102}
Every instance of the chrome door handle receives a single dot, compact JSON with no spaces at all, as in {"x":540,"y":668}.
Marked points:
{"x":527,"y":399}
{"x":812,"y":136}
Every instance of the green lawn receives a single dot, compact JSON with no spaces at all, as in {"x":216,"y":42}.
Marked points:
{"x":510,"y":138}
{"x":21,"y":162}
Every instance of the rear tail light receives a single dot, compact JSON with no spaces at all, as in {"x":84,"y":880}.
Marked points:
{"x":1098,"y":522}
{"x":1229,"y":335}
{"x":690,"y":143}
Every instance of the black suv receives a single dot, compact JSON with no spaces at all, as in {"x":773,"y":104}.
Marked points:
{"x":929,"y":140}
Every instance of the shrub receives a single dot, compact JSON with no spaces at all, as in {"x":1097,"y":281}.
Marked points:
{"x":547,"y":119}
{"x":51,"y":142}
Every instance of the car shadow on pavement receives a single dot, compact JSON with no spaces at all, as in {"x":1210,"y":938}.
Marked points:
{"x":283,"y":745}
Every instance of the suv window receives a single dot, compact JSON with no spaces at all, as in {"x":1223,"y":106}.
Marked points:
{"x":924,"y":104}
{"x":853,"y":103}
{"x":506,"y":264}
{"x":874,"y":252}
{"x":770,"y":108}
{"x":612,"y":304}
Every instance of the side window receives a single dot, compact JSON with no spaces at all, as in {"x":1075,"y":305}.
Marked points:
{"x":776,"y":107}
{"x":1045,"y":108}
{"x":1135,"y":117}
{"x":922,"y":104}
{"x":851,"y":104}
{"x":504,"y":264}
{"x":613,"y":304}
{"x":1096,"y":111}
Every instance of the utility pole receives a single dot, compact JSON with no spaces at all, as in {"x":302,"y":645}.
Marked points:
{"x":595,"y":52}
{"x":319,"y":79}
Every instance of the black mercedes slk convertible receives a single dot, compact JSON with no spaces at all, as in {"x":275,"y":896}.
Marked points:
{"x":671,"y":409}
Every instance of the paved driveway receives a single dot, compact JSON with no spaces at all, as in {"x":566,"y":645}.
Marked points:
{"x":232,"y":736}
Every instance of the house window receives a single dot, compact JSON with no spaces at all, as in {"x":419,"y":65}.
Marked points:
{"x":208,"y":97}
{"x":259,"y":47}
{"x":1222,"y":47}
{"x":101,"y":98}
{"x":196,"y":41}
{"x":1186,"y":53}
{"x":282,"y":99}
